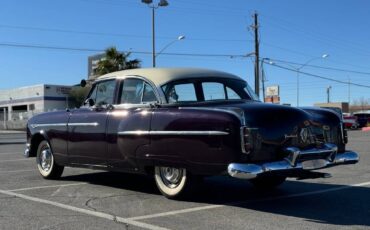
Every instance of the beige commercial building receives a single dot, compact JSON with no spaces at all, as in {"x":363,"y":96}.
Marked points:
{"x":342,"y":105}
{"x":19,"y":104}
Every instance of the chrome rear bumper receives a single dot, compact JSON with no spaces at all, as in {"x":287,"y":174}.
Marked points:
{"x":296,"y":160}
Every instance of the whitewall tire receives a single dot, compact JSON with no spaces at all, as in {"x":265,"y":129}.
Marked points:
{"x":171,"y":182}
{"x":46,"y":164}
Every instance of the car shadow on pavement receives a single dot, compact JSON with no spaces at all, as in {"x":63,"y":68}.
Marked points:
{"x":315,"y":202}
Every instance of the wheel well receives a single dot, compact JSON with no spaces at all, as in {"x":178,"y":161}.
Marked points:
{"x":35,"y":141}
{"x":149,"y":170}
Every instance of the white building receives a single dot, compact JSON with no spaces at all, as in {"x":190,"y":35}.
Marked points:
{"x":20,"y":103}
{"x":92,"y":64}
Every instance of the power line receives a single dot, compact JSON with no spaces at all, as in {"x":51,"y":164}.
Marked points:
{"x":129,"y":51}
{"x":317,"y":76}
{"x":50,"y":47}
{"x":321,"y":67}
{"x":75,"y":31}
{"x":173,"y":54}
{"x":180,"y":9}
{"x":44,"y":29}
{"x":338,"y":42}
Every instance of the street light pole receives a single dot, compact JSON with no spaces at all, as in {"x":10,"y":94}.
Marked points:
{"x":264,"y":76}
{"x":161,"y":3}
{"x":179,"y":38}
{"x":328,"y":92}
{"x":299,"y":69}
{"x":153,"y":36}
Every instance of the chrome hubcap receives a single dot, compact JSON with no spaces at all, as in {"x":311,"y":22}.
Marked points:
{"x":171,"y":177}
{"x":46,"y":158}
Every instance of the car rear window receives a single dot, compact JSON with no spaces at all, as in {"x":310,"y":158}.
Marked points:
{"x":207,"y":89}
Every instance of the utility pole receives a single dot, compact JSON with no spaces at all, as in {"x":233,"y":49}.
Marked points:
{"x":153,"y":37}
{"x":257,"y":53}
{"x":328,"y":92}
{"x":349,"y":91}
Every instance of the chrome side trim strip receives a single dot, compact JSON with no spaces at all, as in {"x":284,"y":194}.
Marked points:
{"x":184,"y":133}
{"x":63,"y":124}
{"x":137,"y":133}
{"x":84,"y":124}
{"x":178,"y":133}
{"x":48,"y":125}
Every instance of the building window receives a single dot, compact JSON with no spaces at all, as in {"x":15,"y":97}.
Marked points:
{"x":31,"y":107}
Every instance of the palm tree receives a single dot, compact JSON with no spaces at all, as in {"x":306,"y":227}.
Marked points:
{"x":115,"y":61}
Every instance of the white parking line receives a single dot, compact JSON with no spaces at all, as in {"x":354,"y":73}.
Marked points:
{"x":13,"y":153}
{"x":15,"y":171}
{"x":47,"y":186}
{"x":85,"y":211}
{"x":20,"y":159}
{"x":188,"y":210}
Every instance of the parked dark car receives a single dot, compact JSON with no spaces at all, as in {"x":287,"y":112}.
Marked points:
{"x":363,"y":118}
{"x":350,"y":121}
{"x":180,"y":125}
{"x":335,"y":109}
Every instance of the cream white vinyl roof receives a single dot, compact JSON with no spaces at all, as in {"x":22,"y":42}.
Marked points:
{"x":160,"y":76}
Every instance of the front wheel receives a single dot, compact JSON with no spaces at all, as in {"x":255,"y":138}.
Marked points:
{"x":46,"y":164}
{"x":172,"y":182}
{"x":267,"y":182}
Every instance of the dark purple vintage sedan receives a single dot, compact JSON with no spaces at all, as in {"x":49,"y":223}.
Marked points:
{"x":180,"y":125}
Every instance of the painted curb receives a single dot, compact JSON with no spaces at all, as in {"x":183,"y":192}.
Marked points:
{"x":366,"y":129}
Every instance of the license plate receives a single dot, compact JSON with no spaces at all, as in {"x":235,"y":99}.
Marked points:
{"x":314,"y":164}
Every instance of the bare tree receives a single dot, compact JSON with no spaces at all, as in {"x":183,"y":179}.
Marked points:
{"x":361,"y":103}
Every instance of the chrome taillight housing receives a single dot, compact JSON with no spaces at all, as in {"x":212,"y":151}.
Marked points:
{"x":343,"y":133}
{"x":246,"y":139}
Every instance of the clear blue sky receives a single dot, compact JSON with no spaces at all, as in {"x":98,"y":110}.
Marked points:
{"x":295,"y":31}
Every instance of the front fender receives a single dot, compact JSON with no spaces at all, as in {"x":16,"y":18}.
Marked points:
{"x":34,"y":140}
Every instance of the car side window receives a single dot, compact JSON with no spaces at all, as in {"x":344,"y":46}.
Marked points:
{"x":213,"y":91}
{"x":148,"y":95}
{"x":181,"y":93}
{"x":231,"y":94}
{"x":136,"y":91}
{"x":103,"y":92}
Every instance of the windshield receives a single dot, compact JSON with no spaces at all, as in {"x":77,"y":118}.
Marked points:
{"x":207,"y":89}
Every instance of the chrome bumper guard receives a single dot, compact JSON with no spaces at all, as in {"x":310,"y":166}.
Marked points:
{"x":26,"y":152}
{"x":311,"y":159}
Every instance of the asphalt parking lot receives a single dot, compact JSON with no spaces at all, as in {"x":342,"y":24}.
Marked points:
{"x":86,"y":199}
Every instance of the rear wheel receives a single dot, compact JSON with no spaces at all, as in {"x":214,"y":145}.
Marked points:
{"x":268,"y":182}
{"x":46,"y":164}
{"x":172,"y":182}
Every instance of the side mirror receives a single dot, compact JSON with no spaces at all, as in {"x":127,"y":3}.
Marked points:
{"x":83,"y":83}
{"x":90,"y":102}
